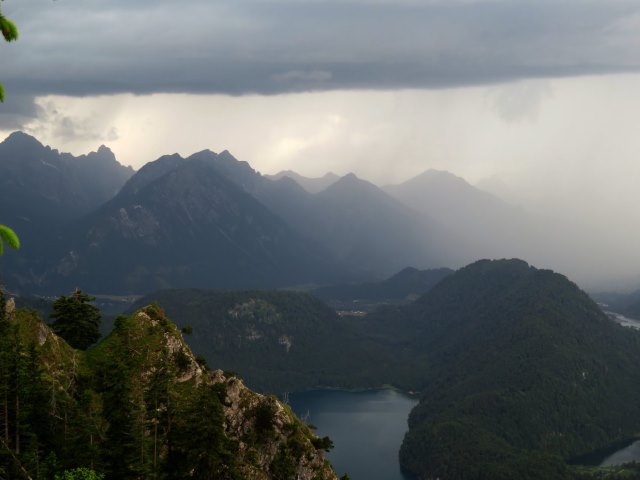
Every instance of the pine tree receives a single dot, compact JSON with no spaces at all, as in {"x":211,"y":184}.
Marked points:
{"x":76,"y":320}
{"x":198,"y":447}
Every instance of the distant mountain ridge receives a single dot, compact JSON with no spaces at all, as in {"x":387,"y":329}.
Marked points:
{"x":41,"y":185}
{"x":364,"y":226}
{"x":311,"y":185}
{"x":462,"y":222}
{"x":477,"y":224}
{"x":408,"y":284}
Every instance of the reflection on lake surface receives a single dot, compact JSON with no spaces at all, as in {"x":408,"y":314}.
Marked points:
{"x":367,"y":429}
{"x":626,"y":455}
{"x":624,"y":321}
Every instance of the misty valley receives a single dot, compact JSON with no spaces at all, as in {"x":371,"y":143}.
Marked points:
{"x":198,"y":319}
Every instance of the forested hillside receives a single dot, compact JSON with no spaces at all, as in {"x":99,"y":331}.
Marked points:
{"x":523,"y":372}
{"x":138,"y":405}
{"x":278,"y":341}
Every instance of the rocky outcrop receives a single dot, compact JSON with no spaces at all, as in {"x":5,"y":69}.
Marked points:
{"x":244,"y":413}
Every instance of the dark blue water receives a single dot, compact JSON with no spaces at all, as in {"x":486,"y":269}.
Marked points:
{"x":367,"y":429}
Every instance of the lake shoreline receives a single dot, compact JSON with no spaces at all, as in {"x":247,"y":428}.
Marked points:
{"x":408,"y":393}
{"x":367,"y":427}
{"x":596,"y":457}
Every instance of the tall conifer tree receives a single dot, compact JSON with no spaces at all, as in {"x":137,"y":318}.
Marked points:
{"x":76,"y":320}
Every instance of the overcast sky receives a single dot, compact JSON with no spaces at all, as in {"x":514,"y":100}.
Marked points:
{"x":536,"y":99}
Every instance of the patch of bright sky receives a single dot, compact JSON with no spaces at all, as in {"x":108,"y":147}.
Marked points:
{"x":537,"y":135}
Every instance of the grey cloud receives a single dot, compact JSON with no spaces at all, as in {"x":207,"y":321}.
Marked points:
{"x":18,"y":109}
{"x":90,"y":127}
{"x":236,"y":47}
{"x":308,"y":76}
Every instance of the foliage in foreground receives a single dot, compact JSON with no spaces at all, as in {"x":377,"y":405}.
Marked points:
{"x":7,"y":235}
{"x":10,"y":34}
{"x":80,"y":474}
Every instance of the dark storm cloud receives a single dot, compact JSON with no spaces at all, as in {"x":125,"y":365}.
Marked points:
{"x":17,"y":110}
{"x":83,"y":47}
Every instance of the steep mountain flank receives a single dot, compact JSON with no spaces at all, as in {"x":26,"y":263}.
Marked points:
{"x":353,"y":220}
{"x":139,"y":405}
{"x":364,"y":226}
{"x":42,"y":191}
{"x":189,"y":226}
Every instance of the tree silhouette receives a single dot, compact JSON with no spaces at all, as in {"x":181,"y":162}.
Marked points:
{"x":76,"y":320}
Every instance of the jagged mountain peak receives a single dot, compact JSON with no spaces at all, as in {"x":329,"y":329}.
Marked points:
{"x":203,"y":154}
{"x":238,"y":171}
{"x":289,"y":184}
{"x":42,"y":188}
{"x":349,"y":182}
{"x":150,"y":172}
{"x":103,"y":155}
{"x":439,"y":180}
{"x":311,"y":185}
{"x":444,"y":174}
{"x":22,"y":139}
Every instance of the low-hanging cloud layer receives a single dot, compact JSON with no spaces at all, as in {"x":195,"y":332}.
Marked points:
{"x":79,"y":47}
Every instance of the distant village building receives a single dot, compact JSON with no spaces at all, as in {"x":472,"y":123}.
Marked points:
{"x":351,"y":313}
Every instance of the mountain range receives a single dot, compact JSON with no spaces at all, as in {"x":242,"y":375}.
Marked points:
{"x":402,"y":287}
{"x":311,"y":185}
{"x":212,"y":221}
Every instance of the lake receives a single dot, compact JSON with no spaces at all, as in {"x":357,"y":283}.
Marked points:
{"x":628,"y":454}
{"x":367,"y":429}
